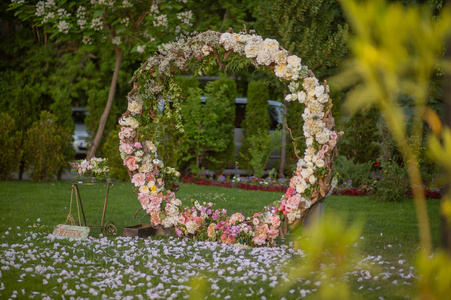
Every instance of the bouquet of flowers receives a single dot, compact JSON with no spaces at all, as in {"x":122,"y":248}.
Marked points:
{"x":95,"y":167}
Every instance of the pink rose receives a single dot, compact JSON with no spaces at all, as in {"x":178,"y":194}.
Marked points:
{"x":138,"y":145}
{"x":256,"y":221}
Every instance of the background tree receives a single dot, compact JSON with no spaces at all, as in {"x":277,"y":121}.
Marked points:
{"x":256,"y":123}
{"x":360,"y":142}
{"x":123,"y":27}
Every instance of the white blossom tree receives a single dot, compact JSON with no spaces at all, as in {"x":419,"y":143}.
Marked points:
{"x":123,"y":25}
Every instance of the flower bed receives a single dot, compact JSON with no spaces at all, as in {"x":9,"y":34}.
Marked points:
{"x":245,"y":183}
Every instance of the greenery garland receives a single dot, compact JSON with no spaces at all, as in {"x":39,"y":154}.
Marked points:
{"x":155,"y":87}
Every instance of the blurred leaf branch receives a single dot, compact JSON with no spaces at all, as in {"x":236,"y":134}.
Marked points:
{"x":395,"y":50}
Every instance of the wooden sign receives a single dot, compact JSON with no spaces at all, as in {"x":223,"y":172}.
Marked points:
{"x":68,"y":231}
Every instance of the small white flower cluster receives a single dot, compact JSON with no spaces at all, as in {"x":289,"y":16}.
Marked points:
{"x":161,"y":21}
{"x":40,"y":9}
{"x":81,"y":17}
{"x":116,"y":40}
{"x":87,"y":40}
{"x":63,"y":27}
{"x":126,"y":4}
{"x":185,"y":17}
{"x":18,"y":1}
{"x":265,"y":52}
{"x":62,"y":13}
{"x":125,"y":21}
{"x":141,"y":49}
{"x":97,"y":24}
{"x":47,"y":17}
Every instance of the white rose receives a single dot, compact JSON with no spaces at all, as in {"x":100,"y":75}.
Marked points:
{"x":309,"y":141}
{"x":280,"y":57}
{"x":319,"y":91}
{"x":288,"y":97}
{"x":300,"y":189}
{"x":251,"y":50}
{"x":225,"y":37}
{"x":301,"y":96}
{"x":242,"y":38}
{"x":301,"y":163}
{"x":312,"y":179}
{"x":308,"y":158}
{"x":270,"y":45}
{"x":280,"y":71}
{"x":264,"y":58}
{"x":320,"y":163}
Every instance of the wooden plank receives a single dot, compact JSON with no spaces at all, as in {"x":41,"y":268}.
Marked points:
{"x":69,"y":231}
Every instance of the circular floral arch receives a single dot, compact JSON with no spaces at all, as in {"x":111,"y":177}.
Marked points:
{"x":154,"y":82}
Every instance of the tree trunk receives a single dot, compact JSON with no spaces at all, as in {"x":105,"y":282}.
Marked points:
{"x":283,"y":150}
{"x":95,"y":143}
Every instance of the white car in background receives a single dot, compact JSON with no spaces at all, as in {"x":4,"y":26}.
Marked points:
{"x":81,"y":132}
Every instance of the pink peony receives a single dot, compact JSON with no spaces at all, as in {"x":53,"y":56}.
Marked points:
{"x":126,"y":148}
{"x":259,"y":239}
{"x":138,"y":179}
{"x":150,"y":177}
{"x":131,"y":164}
{"x":138,"y":145}
{"x":273,"y":232}
{"x":275,"y":220}
{"x":144,"y":199}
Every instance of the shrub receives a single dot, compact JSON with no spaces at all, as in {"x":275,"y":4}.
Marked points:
{"x":44,"y":148}
{"x":393,"y":184}
{"x":360,"y":141}
{"x":224,"y":88}
{"x":206,"y":123}
{"x":11,"y":153}
{"x":349,"y":170}
{"x":257,"y":121}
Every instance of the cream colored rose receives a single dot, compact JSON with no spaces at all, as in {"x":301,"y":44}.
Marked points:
{"x":270,"y":45}
{"x":312,"y":179}
{"x":144,"y":189}
{"x":264,"y":58}
{"x":280,"y":71}
{"x":281,"y":57}
{"x":300,"y":189}
{"x":242,"y":38}
{"x":251,"y":50}
{"x":134,"y":107}
{"x":320,"y":163}
{"x":295,"y":62}
{"x":301,"y":96}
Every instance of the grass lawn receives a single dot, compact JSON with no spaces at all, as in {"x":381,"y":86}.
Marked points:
{"x":33,"y":264}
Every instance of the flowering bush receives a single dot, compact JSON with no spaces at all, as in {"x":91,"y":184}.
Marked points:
{"x":154,"y":81}
{"x":95,"y":167}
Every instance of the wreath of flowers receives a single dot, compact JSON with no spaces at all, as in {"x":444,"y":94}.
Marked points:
{"x":154,"y":82}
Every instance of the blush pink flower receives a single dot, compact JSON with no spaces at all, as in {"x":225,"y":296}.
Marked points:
{"x":131,"y":164}
{"x":273,"y":232}
{"x":259,"y":239}
{"x":127,"y":148}
{"x":138,"y":179}
{"x":275,"y":220}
